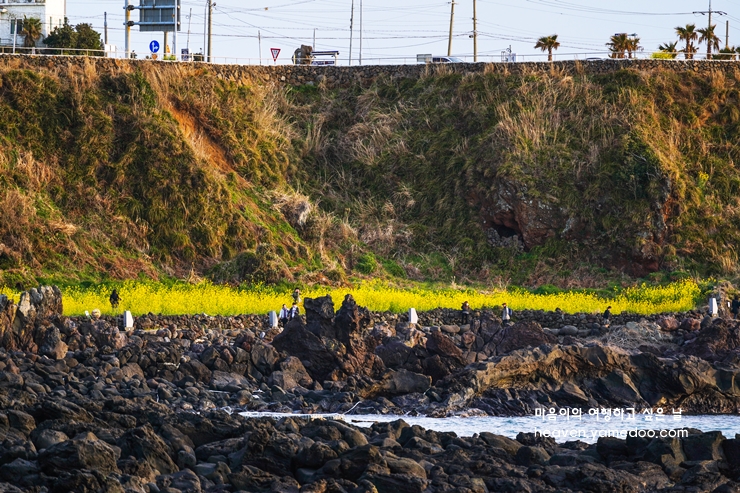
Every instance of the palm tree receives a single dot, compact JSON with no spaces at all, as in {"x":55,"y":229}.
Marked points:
{"x":31,"y":31}
{"x":548,"y":43}
{"x":618,"y":45}
{"x":633,"y":46}
{"x":688,"y":34}
{"x":711,"y":39}
{"x":670,"y":48}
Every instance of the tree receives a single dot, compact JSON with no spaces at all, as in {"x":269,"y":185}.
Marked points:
{"x":669,"y":48}
{"x":727,"y":53}
{"x":31,"y":31}
{"x":618,"y":45}
{"x":88,"y":39}
{"x":62,"y":37}
{"x":548,"y":43}
{"x":77,"y":40}
{"x":688,"y":34}
{"x":708,"y":36}
{"x":633,"y":46}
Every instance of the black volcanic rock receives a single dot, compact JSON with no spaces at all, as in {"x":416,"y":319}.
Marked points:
{"x":297,"y":341}
{"x":320,"y":316}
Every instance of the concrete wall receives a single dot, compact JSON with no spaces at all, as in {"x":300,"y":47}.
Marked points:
{"x":333,"y":77}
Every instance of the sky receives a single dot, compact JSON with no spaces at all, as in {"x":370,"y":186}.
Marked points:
{"x":395,"y":31}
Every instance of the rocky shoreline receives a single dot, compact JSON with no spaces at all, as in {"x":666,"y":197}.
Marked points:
{"x":88,"y":406}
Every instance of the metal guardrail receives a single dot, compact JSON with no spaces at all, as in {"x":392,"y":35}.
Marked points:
{"x":395,"y":60}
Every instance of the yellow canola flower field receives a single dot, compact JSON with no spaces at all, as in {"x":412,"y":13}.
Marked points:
{"x":182,"y":298}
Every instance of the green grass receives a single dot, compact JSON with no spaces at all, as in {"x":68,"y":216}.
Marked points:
{"x":167,"y":170}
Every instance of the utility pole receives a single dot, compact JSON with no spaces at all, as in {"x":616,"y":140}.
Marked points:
{"x":452,"y":20}
{"x":475,"y":33}
{"x":128,"y":23}
{"x":259,"y":43}
{"x":314,"y":39}
{"x":709,"y":13}
{"x":210,"y":29}
{"x":190,"y":23}
{"x":709,"y":30}
{"x":105,"y":25}
{"x":360,"y":32}
{"x":176,"y":22}
{"x":727,"y":35}
{"x":351,"y":30}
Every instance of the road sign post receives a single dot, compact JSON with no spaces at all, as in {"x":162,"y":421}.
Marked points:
{"x":275,"y":53}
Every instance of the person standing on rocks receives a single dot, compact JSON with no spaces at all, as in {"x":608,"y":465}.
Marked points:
{"x":506,"y":315}
{"x":294,"y":311}
{"x":284,"y":315}
{"x":607,"y":315}
{"x":465,"y":313}
{"x":114,"y":299}
{"x":296,"y":296}
{"x":735,"y":306}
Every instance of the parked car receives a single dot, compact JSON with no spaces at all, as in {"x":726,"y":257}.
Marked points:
{"x":447,"y":59}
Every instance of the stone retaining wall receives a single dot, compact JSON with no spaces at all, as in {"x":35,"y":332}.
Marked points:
{"x":332,"y":77}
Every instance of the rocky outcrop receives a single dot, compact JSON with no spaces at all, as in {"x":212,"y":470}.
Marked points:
{"x":592,"y":376}
{"x":19,"y":323}
{"x":114,"y":411}
{"x":718,"y":341}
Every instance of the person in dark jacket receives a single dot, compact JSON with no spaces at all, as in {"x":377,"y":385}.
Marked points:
{"x":465,"y":313}
{"x":114,"y":299}
{"x":735,"y":306}
{"x":607,"y":315}
{"x":294,"y":311}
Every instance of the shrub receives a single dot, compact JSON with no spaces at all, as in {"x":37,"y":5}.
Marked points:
{"x":366,"y":264}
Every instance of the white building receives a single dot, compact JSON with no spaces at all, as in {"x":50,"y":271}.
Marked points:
{"x":51,"y":13}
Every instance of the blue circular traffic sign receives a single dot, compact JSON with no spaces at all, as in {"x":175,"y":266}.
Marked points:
{"x":154,"y":46}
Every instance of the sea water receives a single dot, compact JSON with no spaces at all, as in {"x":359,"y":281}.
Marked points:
{"x":587,"y":428}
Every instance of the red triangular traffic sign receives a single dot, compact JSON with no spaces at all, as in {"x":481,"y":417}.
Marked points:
{"x":275,"y":52}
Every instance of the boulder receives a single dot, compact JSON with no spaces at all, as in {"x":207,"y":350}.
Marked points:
{"x":716,"y":341}
{"x":704,"y":446}
{"x":185,"y":481}
{"x":146,"y":446}
{"x":229,"y":382}
{"x":668,"y":323}
{"x":18,"y":322}
{"x":265,"y":357}
{"x":351,"y":320}
{"x":320,"y":316}
{"x":400,"y":382}
{"x":690,"y":324}
{"x":502,"y":442}
{"x":52,"y":345}
{"x":292,"y":374}
{"x":23,"y":422}
{"x":530,"y":456}
{"x":523,"y":335}
{"x":85,"y":451}
{"x":297,"y":341}
{"x":568,"y":330}
{"x":48,"y":438}
{"x":442,"y":345}
{"x":394,"y":354}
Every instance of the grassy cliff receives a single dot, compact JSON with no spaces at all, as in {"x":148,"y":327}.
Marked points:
{"x":152,"y":170}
